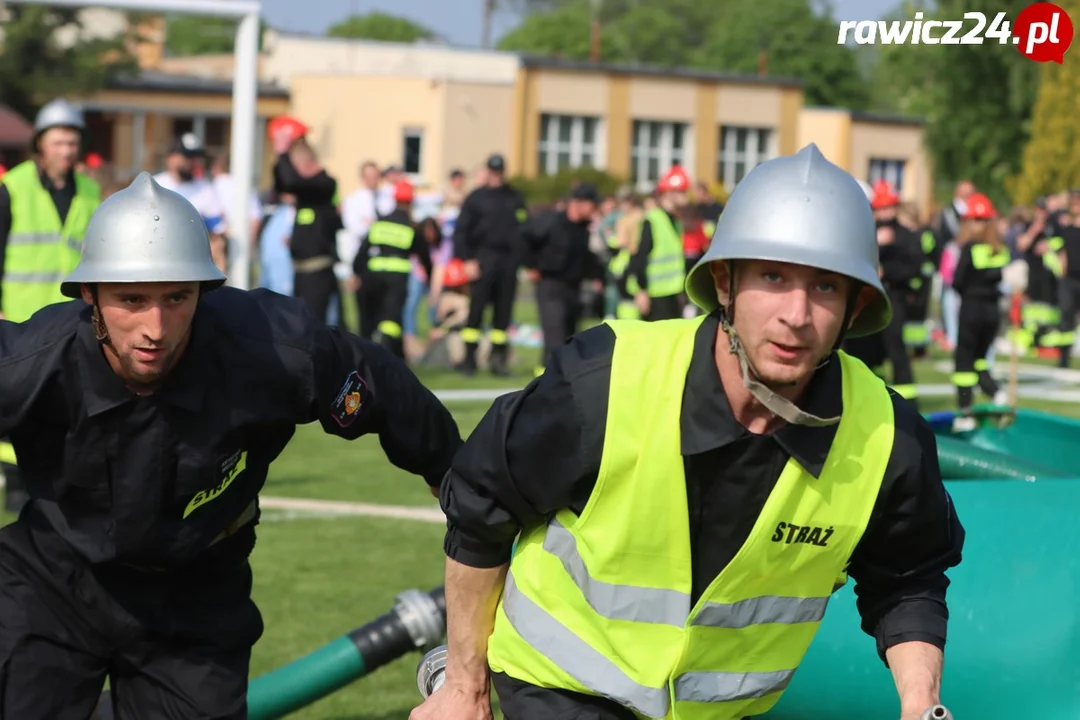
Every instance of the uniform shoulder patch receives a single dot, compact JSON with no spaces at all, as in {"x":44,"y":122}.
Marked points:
{"x":349,"y":401}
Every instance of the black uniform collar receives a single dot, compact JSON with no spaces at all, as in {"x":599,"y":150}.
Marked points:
{"x":184,"y":388}
{"x":707,"y":421}
{"x":48,"y":184}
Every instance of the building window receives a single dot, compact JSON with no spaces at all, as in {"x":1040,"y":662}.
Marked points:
{"x":412,"y":151}
{"x":741,"y":150}
{"x":892,"y":171}
{"x":657,"y":146}
{"x":567,"y":141}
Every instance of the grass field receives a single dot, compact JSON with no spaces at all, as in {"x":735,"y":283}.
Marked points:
{"x":319,"y":577}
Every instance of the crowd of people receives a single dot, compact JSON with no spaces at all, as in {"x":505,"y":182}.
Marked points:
{"x":424,"y":270}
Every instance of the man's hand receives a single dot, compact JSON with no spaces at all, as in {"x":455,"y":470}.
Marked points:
{"x":643,"y":302}
{"x":472,"y":269}
{"x":455,"y":702}
{"x":434,"y":490}
{"x":354,"y":283}
{"x":532,"y":275}
{"x":916,"y":668}
{"x":885,"y":235}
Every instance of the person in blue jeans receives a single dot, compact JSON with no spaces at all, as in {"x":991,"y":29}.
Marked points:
{"x":275,"y":263}
{"x":419,"y":283}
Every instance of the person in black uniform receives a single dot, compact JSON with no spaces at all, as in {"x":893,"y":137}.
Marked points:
{"x":145,"y":415}
{"x":901,"y":264}
{"x":381,"y":269}
{"x":557,"y":251}
{"x":1069,"y":282}
{"x":313,"y":244}
{"x":977,"y":279}
{"x":1040,"y":244}
{"x":486,"y":237}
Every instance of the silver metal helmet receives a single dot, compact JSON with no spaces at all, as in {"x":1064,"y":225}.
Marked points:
{"x":58,"y":113}
{"x":799,"y":209}
{"x":145,"y":233}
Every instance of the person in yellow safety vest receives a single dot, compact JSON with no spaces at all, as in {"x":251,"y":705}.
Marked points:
{"x":44,"y":209}
{"x":978,"y":277}
{"x":658,"y":265}
{"x":715,"y":479}
{"x":382,"y":266}
{"x":627,"y":235}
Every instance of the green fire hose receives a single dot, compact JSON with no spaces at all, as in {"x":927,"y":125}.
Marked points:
{"x":417,"y":621}
{"x":961,"y":460}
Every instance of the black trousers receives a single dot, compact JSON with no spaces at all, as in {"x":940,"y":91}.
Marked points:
{"x":175,"y":647}
{"x":381,"y":302}
{"x":979,"y":319}
{"x":496,"y":288}
{"x":316,"y":289}
{"x":665,"y":308}
{"x":1069,"y":305}
{"x":559,"y":307}
{"x":888,"y":344}
{"x":14,"y":487}
{"x":522,"y":701}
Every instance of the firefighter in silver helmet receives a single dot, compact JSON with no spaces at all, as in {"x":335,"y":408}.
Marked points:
{"x":759,"y":463}
{"x":145,"y":415}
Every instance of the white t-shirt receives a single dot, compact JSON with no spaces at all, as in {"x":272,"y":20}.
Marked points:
{"x":225,"y":187}
{"x":202,"y":195}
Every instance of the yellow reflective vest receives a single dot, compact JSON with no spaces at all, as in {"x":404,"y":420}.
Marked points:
{"x":666,"y":270}
{"x":40,"y":251}
{"x":600,"y":604}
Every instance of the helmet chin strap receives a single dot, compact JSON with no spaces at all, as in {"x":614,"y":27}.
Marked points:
{"x":776,"y":403}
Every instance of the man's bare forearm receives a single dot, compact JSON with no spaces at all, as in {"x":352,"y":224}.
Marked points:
{"x":472,"y":595}
{"x":916,"y":669}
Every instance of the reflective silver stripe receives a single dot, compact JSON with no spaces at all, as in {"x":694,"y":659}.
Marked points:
{"x":616,"y":602}
{"x":576,"y":657}
{"x":74,"y":243}
{"x":716,"y":687}
{"x":33,"y":238}
{"x":33,"y":277}
{"x":671,"y":607}
{"x":761,"y":610}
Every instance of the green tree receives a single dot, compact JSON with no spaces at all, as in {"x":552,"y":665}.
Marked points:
{"x":192,"y":35}
{"x":976,"y":99}
{"x":34,"y":67}
{"x":710,"y":35}
{"x":1051,"y":158}
{"x":798,"y":43}
{"x":380,"y":26}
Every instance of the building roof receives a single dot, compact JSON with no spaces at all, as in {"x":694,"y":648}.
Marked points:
{"x":889,"y":118}
{"x":154,"y":81}
{"x":871,"y":117}
{"x":554,"y":63}
{"x":15,"y":131}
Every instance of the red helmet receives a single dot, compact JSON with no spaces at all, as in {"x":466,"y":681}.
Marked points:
{"x":403,"y":191}
{"x":674,"y":180}
{"x":979,"y":207}
{"x":287,"y":125}
{"x":454,"y":275}
{"x":884,"y":196}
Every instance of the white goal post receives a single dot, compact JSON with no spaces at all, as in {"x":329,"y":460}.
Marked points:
{"x":245,"y":95}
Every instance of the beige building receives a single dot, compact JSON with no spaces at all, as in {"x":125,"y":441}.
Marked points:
{"x":430,"y":109}
{"x":427,"y":108}
{"x":872,"y":147}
